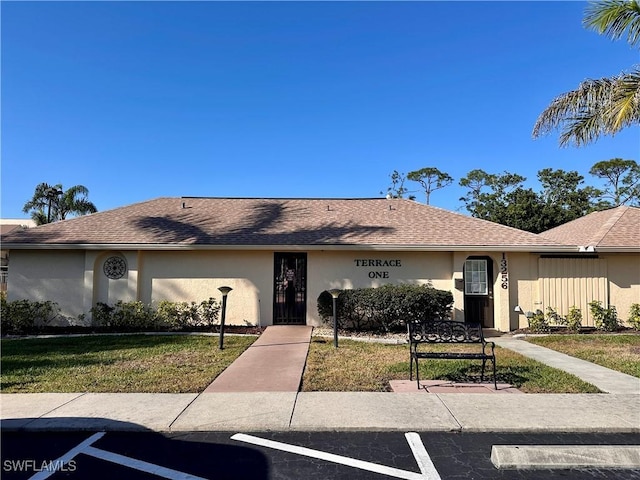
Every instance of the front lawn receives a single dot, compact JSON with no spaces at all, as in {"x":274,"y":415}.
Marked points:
{"x":114,"y":363}
{"x":618,"y":352}
{"x":358,"y":366}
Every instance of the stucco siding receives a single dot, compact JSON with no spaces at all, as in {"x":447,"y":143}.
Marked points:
{"x":524,"y":288}
{"x":624,"y":282}
{"x":196,"y":276}
{"x":345,"y":270}
{"x":55,"y":275}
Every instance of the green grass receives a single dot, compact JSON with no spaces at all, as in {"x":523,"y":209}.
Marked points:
{"x":618,"y":352}
{"x":359,"y":366}
{"x":128,"y":363}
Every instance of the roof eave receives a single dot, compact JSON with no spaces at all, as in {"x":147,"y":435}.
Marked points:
{"x":317,"y":247}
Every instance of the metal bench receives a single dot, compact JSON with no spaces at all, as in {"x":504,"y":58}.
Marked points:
{"x":448,"y":332}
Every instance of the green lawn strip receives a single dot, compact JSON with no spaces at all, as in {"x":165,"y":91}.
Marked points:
{"x":618,"y":352}
{"x":127,"y":363}
{"x":360,"y":366}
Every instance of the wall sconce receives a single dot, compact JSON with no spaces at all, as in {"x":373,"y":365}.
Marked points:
{"x":522,"y":312}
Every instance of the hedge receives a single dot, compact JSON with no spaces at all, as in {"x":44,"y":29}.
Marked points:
{"x":387,"y":308}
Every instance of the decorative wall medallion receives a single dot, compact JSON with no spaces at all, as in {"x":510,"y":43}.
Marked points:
{"x":114,"y":267}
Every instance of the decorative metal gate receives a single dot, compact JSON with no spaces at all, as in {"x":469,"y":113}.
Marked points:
{"x":290,"y":289}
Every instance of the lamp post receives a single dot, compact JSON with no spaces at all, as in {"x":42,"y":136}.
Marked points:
{"x":225,"y":291}
{"x":335,"y":293}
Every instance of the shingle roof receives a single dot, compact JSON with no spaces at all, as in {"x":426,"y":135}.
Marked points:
{"x":187,"y":221}
{"x":617,"y":228}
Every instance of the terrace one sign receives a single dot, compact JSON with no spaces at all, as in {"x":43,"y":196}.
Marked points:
{"x":378,"y":265}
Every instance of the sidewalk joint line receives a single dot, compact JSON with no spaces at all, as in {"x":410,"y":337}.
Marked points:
{"x":80,"y":395}
{"x":293,"y":410}
{"x":184,"y":410}
{"x":449,"y":410}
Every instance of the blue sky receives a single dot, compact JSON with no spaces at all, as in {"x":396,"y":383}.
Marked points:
{"x":138,"y":100}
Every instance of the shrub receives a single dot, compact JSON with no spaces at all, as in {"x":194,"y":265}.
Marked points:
{"x":24,"y":316}
{"x":4,"y":312}
{"x":177,"y":315}
{"x":101,"y":314}
{"x":133,"y":316}
{"x":634,"y":316}
{"x":386,"y":308}
{"x":209,"y":310}
{"x":554,"y":317}
{"x":538,"y":322}
{"x":606,"y":319}
{"x":574,"y":319}
{"x":124,"y":316}
{"x":183,"y":315}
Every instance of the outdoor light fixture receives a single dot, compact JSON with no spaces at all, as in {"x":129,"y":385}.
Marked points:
{"x":335,"y":293}
{"x":225,"y":291}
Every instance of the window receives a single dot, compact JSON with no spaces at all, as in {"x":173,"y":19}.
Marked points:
{"x":475,"y":277}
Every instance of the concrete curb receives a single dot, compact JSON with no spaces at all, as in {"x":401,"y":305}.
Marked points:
{"x":322,"y":411}
{"x":535,"y":457}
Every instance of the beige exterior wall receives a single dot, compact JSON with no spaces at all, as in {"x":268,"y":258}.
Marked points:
{"x":196,"y":276}
{"x":56,"y":276}
{"x":624,"y":282}
{"x":327,"y":270}
{"x":561,"y":283}
{"x":76,"y":281}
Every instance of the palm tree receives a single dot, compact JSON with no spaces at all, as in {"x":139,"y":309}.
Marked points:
{"x":50,"y":203}
{"x":602,"y":106}
{"x":74,"y":202}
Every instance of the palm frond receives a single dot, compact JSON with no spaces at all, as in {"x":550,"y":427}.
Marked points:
{"x":597,"y":107}
{"x":613,"y":18}
{"x":624,"y":109}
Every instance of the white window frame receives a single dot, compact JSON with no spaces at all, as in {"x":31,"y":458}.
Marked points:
{"x":476,"y":277}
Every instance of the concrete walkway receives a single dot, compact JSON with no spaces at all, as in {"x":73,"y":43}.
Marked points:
{"x":274,"y":363}
{"x":321,"y":411}
{"x":607,"y":380}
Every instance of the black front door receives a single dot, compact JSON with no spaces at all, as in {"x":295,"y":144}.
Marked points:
{"x":478,"y":291}
{"x":290,"y":289}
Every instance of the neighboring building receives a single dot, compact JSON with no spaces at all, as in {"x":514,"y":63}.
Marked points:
{"x":8,"y":225}
{"x":279,"y":255}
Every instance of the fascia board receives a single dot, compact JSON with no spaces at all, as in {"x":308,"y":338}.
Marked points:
{"x":351,"y":247}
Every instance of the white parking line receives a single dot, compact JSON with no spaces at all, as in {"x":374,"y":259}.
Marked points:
{"x":428,"y":471}
{"x":139,"y":465}
{"x":67,"y":457}
{"x":86,"y":448}
{"x":423,"y":459}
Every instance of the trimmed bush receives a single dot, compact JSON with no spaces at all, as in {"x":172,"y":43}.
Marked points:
{"x":386,"y":308}
{"x":538,"y":322}
{"x":606,"y":319}
{"x":125,"y":316}
{"x":634,"y":316}
{"x":24,"y":316}
{"x":574,"y":319}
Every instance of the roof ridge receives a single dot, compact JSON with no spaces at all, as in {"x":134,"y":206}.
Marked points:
{"x":280,"y":198}
{"x":606,"y":227}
